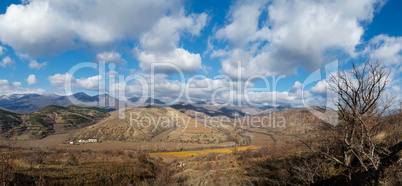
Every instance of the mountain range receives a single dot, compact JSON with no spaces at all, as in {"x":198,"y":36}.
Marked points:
{"x":28,"y":103}
{"x":100,"y":123}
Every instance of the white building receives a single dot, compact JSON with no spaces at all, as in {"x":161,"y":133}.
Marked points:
{"x":92,"y":140}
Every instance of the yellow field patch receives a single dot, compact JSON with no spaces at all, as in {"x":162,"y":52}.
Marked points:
{"x":246,"y":147}
{"x":218,"y":151}
{"x":184,"y":154}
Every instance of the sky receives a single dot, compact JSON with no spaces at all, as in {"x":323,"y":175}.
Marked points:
{"x":267,"y":52}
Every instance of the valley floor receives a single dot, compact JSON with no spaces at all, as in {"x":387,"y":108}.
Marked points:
{"x":259,"y":139}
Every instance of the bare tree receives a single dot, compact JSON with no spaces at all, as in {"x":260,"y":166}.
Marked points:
{"x":357,"y":94}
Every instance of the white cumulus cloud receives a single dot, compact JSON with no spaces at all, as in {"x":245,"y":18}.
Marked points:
{"x":385,"y":49}
{"x":7,"y":62}
{"x":320,"y":88}
{"x":32,"y":79}
{"x":33,"y":64}
{"x":110,"y":57}
{"x":160,"y":45}
{"x":7,"y":87}
{"x":278,"y":37}
{"x":2,"y":49}
{"x":45,"y":27}
{"x":90,"y":83}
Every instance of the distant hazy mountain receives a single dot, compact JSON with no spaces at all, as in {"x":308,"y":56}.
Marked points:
{"x":148,"y":101}
{"x":27,"y":103}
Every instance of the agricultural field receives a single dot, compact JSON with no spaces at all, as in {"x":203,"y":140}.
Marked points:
{"x":184,"y":154}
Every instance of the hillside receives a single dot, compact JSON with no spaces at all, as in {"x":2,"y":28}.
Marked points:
{"x":292,"y":122}
{"x":230,"y":111}
{"x":50,"y":119}
{"x":152,"y":124}
{"x":8,"y":120}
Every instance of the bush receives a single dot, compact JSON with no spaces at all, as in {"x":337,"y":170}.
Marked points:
{"x":6,"y":164}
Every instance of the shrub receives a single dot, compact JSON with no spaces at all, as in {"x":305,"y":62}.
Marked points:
{"x":6,"y":164}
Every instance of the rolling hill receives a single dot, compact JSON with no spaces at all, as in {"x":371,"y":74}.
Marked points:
{"x":48,"y":120}
{"x":153,"y":124}
{"x":227,"y":110}
{"x":295,"y":122}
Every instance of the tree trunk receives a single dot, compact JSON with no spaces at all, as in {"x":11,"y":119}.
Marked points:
{"x":348,"y":158}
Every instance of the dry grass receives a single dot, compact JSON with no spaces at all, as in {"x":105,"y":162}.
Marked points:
{"x":266,"y":161}
{"x":144,"y":124}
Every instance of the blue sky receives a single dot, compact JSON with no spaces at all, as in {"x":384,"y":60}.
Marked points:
{"x":41,"y":40}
